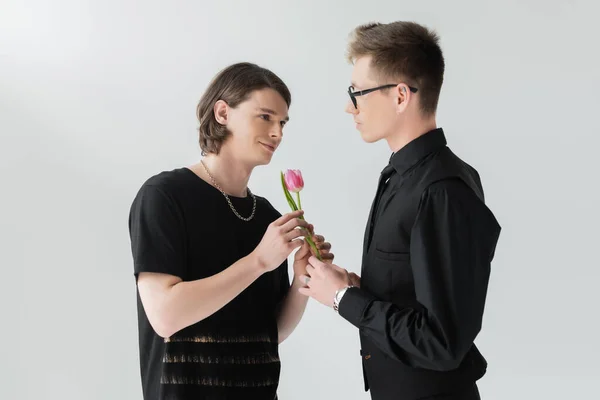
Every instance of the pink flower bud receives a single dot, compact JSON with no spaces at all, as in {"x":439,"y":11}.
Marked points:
{"x":293,"y":180}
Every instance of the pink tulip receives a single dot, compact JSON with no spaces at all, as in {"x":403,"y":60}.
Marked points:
{"x":293,"y":180}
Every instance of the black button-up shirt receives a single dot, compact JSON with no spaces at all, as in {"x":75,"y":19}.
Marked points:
{"x":429,"y":243}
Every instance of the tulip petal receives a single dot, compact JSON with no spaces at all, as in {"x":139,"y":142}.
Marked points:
{"x":288,"y":196}
{"x":293,"y":180}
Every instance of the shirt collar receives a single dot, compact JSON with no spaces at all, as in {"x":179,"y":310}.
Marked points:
{"x":417,"y":149}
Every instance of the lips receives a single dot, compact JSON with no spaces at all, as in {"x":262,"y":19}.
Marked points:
{"x":268,"y":146}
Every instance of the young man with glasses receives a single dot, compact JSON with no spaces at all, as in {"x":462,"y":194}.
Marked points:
{"x":430,"y":238}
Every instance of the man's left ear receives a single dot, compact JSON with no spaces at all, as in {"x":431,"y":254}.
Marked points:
{"x":220,"y":112}
{"x":402,"y":97}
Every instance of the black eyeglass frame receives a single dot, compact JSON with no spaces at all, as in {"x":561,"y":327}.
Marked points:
{"x":353,"y":95}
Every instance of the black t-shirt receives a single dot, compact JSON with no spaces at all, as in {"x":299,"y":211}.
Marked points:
{"x":180,"y":225}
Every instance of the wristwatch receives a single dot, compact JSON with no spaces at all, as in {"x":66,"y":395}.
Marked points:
{"x":338,"y":298}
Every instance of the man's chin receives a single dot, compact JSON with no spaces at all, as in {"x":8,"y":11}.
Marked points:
{"x":368,"y":138}
{"x":262,"y":157}
{"x":264,"y":160}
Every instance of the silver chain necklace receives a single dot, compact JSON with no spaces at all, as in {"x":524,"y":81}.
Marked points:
{"x":229,"y":200}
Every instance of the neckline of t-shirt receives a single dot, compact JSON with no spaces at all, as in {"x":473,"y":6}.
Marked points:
{"x":232,"y":197}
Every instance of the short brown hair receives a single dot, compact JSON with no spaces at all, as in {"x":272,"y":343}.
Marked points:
{"x":233,"y":85}
{"x":403,"y":50}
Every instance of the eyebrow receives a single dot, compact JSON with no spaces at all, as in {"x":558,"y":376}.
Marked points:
{"x":272,"y":112}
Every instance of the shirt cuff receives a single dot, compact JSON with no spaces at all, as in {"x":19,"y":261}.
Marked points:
{"x":353,"y":304}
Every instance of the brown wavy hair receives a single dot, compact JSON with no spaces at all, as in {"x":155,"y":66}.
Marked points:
{"x":233,"y":85}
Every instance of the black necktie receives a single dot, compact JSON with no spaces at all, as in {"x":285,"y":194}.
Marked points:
{"x":385,"y":175}
{"x":387,"y":172}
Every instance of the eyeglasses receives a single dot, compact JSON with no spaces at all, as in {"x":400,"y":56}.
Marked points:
{"x":353,"y":94}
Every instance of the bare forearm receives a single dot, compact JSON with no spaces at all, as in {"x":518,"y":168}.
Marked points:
{"x":187,"y":303}
{"x":291,"y":311}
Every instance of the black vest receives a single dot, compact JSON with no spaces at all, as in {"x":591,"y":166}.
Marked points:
{"x":388,"y":276}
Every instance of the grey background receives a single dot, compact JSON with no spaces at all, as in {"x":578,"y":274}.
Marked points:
{"x":96,"y":96}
